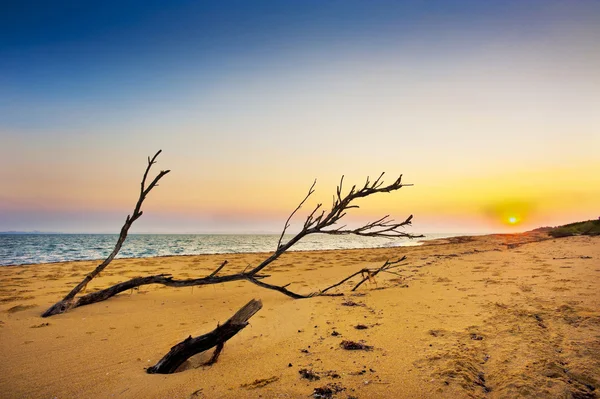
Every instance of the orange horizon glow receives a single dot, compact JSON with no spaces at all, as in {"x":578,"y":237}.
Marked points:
{"x":471,"y":204}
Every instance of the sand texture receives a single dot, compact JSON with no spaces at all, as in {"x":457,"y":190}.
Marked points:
{"x":500,"y":316}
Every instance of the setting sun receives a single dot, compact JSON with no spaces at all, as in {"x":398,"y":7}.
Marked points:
{"x":512,"y":220}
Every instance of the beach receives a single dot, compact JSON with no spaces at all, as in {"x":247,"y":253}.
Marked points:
{"x":496,"y":316}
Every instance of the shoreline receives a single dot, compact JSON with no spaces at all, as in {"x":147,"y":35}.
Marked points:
{"x":411,"y":242}
{"x":418,"y":242}
{"x":486,"y":306}
{"x":208,"y":254}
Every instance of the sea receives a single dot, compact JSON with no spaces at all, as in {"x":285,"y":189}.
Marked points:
{"x":21,"y":249}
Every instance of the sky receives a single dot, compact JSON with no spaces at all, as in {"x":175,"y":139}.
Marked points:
{"x":490,"y":108}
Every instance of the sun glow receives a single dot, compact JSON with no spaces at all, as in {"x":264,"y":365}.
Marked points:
{"x":512,"y":220}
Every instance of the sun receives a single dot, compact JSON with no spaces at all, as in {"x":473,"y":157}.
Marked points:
{"x":513,"y":220}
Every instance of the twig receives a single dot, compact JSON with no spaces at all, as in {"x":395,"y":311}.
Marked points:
{"x":287,"y":222}
{"x":218,"y":269}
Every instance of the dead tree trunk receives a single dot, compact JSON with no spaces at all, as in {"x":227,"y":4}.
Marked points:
{"x":216,"y":338}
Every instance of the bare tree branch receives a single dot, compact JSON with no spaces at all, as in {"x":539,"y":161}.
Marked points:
{"x":372,"y":273}
{"x":383,"y":227}
{"x":315,"y":223}
{"x":281,"y":289}
{"x":287,"y":222}
{"x":218,"y":269}
{"x":366,"y":273}
{"x":137,"y":212}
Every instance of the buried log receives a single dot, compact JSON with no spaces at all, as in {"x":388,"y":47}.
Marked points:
{"x":216,"y":338}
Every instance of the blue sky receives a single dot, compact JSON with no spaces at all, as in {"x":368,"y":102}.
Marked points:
{"x":101,"y":59}
{"x":251,"y":101}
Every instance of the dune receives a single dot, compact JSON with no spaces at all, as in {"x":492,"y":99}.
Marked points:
{"x":498,"y":316}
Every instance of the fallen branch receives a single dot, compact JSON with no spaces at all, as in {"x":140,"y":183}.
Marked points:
{"x":315,"y":223}
{"x":169,"y":281}
{"x":216,"y":338}
{"x":162,"y":279}
{"x":367,"y":274}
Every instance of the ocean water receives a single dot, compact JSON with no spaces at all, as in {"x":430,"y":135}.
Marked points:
{"x":19,"y":249}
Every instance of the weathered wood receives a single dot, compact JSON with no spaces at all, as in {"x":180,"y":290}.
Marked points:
{"x":163,"y":279}
{"x":324,"y":222}
{"x":216,"y":338}
{"x":366,"y":273}
{"x":315,"y":223}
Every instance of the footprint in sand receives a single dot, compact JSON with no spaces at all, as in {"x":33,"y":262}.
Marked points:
{"x":40,"y":325}
{"x":15,"y":298}
{"x":19,"y":308}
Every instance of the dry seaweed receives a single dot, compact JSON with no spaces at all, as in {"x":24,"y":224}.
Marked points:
{"x":327,"y":391}
{"x":309,"y":375}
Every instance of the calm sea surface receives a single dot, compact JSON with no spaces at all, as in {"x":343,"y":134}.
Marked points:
{"x":19,"y":249}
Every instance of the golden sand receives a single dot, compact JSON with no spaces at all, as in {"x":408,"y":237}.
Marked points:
{"x":482,"y":317}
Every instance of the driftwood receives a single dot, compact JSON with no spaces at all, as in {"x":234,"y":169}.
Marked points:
{"x":69,"y":300}
{"x":317,"y":222}
{"x":216,"y":338}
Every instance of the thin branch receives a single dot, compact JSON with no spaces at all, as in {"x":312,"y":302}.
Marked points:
{"x":372,"y":273}
{"x":218,"y":269}
{"x":343,"y":281}
{"x":383,"y":227}
{"x":287,"y":222}
{"x":366,"y":273}
{"x":278,"y":288}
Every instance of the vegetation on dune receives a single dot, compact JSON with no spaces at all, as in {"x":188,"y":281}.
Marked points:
{"x":587,"y":228}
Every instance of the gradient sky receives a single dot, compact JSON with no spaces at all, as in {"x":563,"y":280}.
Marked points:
{"x":491,"y":108}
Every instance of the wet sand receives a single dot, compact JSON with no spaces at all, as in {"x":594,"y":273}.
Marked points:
{"x":499,"y":316}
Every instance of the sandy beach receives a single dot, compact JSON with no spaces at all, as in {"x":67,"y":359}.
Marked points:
{"x":498,"y":316}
